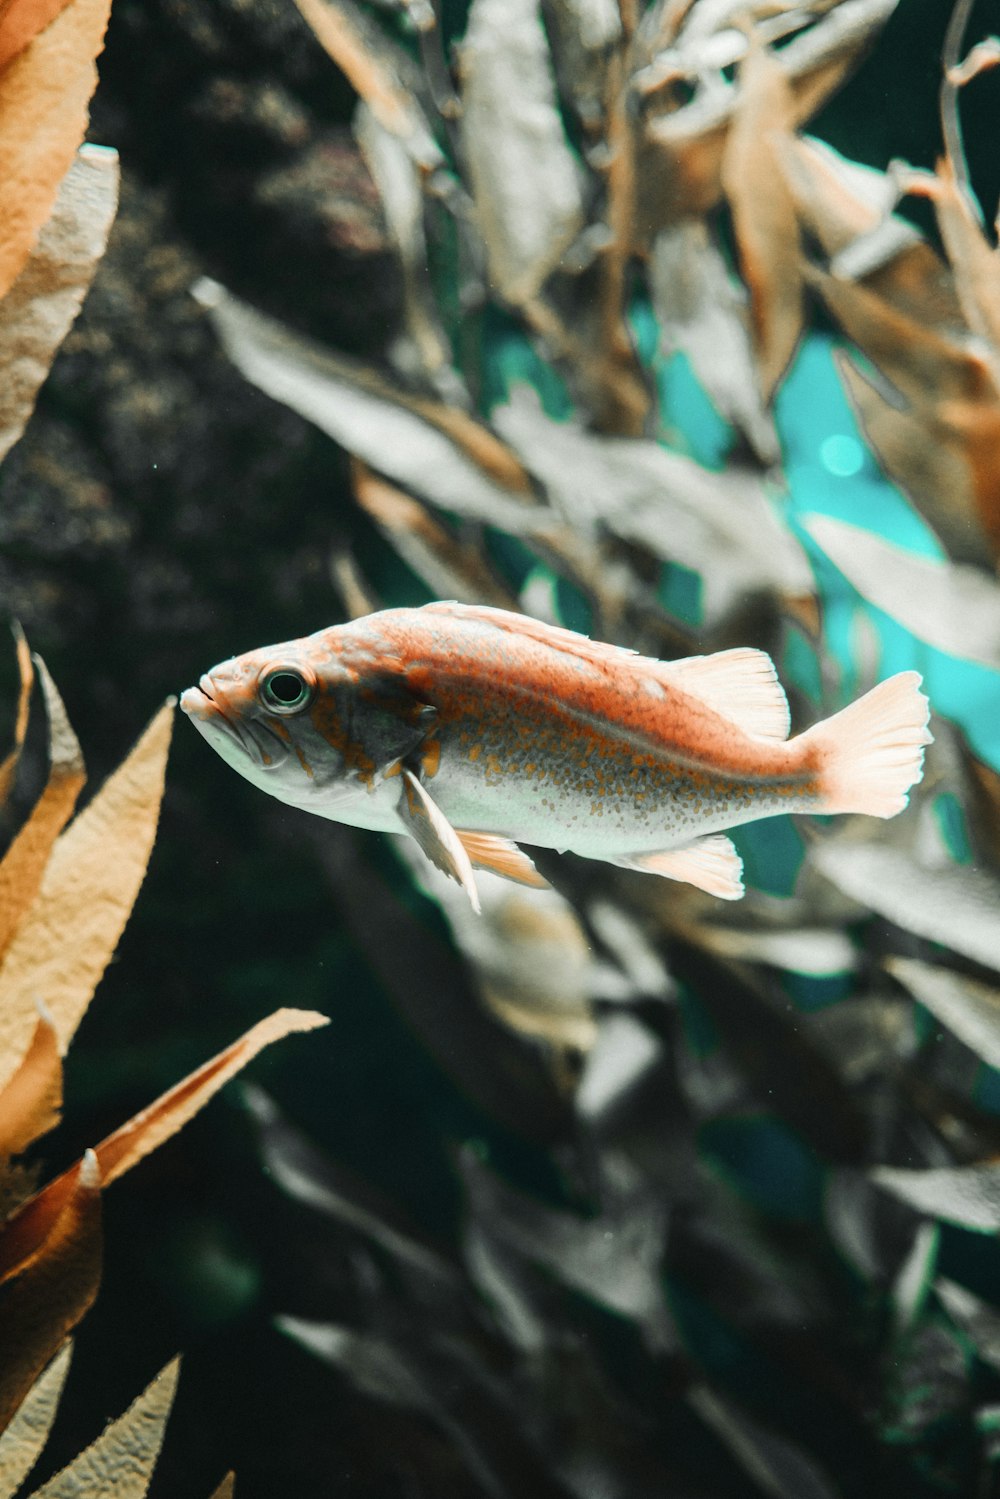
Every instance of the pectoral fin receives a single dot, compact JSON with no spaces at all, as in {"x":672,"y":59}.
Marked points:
{"x":427,"y":824}
{"x":710,"y":864}
{"x":502,"y":856}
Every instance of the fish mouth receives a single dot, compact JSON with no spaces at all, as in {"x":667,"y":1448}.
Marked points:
{"x":255,"y":740}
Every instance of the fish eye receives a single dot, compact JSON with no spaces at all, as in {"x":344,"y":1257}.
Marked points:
{"x":286,"y":689}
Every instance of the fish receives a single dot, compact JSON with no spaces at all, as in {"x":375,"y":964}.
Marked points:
{"x":473,"y":730}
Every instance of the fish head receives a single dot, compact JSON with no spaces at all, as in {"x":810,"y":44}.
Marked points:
{"x":281,"y":716}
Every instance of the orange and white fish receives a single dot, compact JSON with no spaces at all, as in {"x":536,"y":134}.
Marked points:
{"x":469,"y":728}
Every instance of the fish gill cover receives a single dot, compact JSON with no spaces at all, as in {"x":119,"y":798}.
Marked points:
{"x":667,"y":368}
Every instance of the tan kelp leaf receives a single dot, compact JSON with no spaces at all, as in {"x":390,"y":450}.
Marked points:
{"x":23,"y":865}
{"x":966,"y":1195}
{"x":932,"y":462}
{"x":966,"y":1006}
{"x":375,"y":69}
{"x":525,"y":178}
{"x":975,"y":262}
{"x":44,"y":94}
{"x":22,"y":1443}
{"x":147,"y":1130}
{"x":948,"y":605}
{"x":764,"y":217}
{"x":65,"y":942}
{"x":50,"y":1268}
{"x":227,"y":1488}
{"x":119,"y":1465}
{"x":702,"y":312}
{"x":984,"y":55}
{"x":957,"y":906}
{"x":26,"y":671}
{"x":21,"y":21}
{"x":439,"y":452}
{"x":37,"y":312}
{"x":31,"y":1101}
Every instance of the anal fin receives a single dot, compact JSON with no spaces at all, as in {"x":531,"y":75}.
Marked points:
{"x":428,"y":826}
{"x":710,"y":864}
{"x":501,"y":856}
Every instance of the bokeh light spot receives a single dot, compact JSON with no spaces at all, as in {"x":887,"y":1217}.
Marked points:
{"x":842,"y":455}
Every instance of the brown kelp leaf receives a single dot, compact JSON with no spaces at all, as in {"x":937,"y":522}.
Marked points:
{"x":21,"y":1444}
{"x":525,"y":178}
{"x":50,"y":1267}
{"x":66,"y":940}
{"x":974,"y":260}
{"x":764,"y":217}
{"x":31,"y":1101}
{"x":227,"y":1488}
{"x":8,"y":766}
{"x":147,"y":1130}
{"x":37,"y":312}
{"x":375,"y":69}
{"x":966,"y":1195}
{"x":24,"y":863}
{"x":968,"y":1007}
{"x":943,"y":471}
{"x":451,"y":567}
{"x":44,"y":94}
{"x":985,"y":54}
{"x":701,"y":310}
{"x":951,"y":606}
{"x":439,"y":452}
{"x":687,"y":145}
{"x":957,"y":906}
{"x":119,"y":1465}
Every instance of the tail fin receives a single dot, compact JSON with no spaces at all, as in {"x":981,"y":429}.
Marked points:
{"x":872,"y":752}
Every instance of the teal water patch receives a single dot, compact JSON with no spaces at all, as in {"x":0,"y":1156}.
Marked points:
{"x":772,"y":852}
{"x":810,"y":991}
{"x":768,"y":1164}
{"x":949,"y":814}
{"x":688,"y":417}
{"x":680,"y":592}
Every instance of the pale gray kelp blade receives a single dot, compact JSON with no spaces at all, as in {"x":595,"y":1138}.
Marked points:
{"x":740,"y":1139}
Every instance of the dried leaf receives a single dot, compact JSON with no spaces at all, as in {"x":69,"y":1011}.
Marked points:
{"x":21,"y":1444}
{"x":951,"y":606}
{"x":968,"y":1007}
{"x":774,"y":1464}
{"x":44,"y":94}
{"x":24,"y":863}
{"x":375,"y":70}
{"x":227,"y":1488}
{"x":764,"y":217}
{"x":817,"y":951}
{"x":985,"y":54}
{"x":119,"y":1465}
{"x":37,"y":312}
{"x":701,"y":311}
{"x":848,"y":207}
{"x":439,"y":452}
{"x":966,"y":1195}
{"x":31,"y":1101}
{"x":977,"y":1318}
{"x":8,"y":766}
{"x":21,"y":21}
{"x":65,"y":942}
{"x":957,"y":906}
{"x":50,"y":1267}
{"x":525,"y":179}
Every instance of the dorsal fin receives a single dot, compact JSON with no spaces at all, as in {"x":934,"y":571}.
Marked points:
{"x":741,"y":684}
